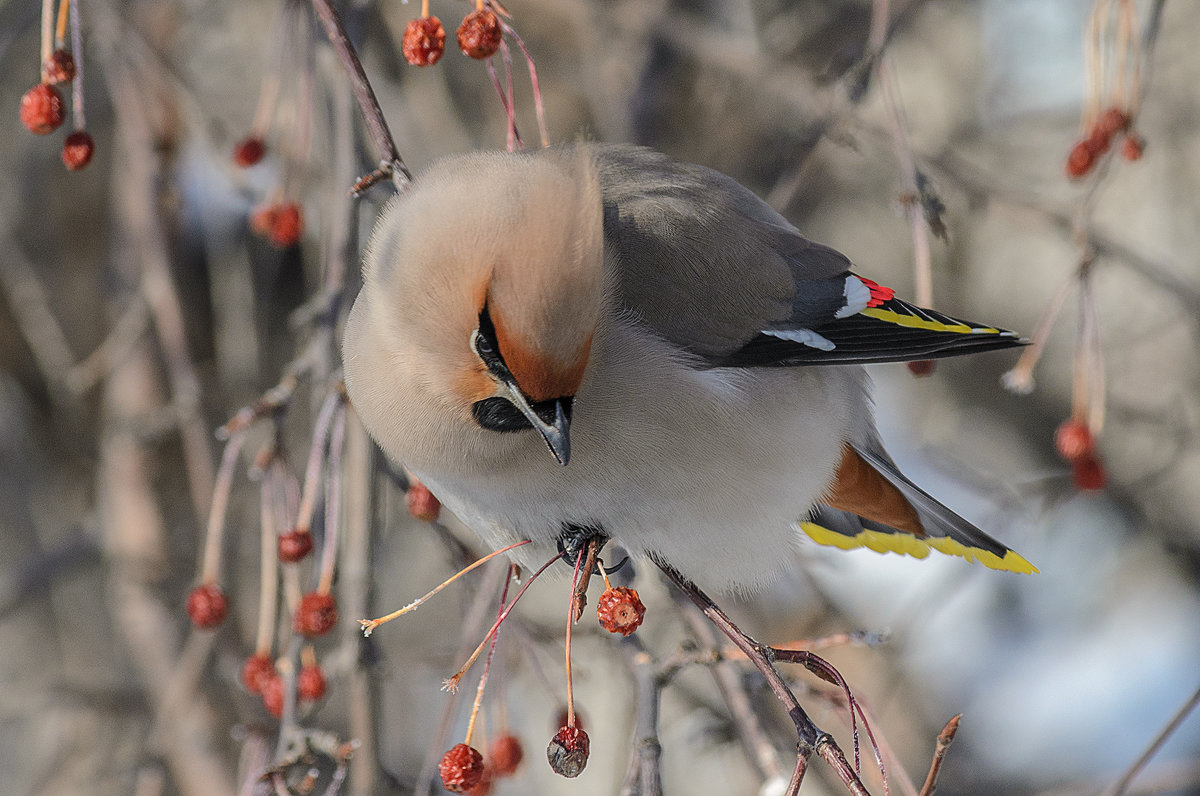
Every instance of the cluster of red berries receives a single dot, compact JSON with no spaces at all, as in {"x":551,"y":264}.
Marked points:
{"x":1087,"y":153}
{"x":1074,"y":442}
{"x":464,"y":770}
{"x":479,"y":36}
{"x":259,"y":676}
{"x":43,"y":110}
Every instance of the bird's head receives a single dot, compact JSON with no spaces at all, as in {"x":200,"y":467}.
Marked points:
{"x":487,"y":276}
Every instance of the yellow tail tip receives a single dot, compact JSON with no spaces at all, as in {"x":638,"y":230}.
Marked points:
{"x":907,"y":544}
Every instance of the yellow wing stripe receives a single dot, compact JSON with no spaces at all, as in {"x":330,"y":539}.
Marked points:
{"x":907,"y":544}
{"x":902,"y":319}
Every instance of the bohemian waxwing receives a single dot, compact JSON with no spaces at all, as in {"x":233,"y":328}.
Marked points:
{"x":600,"y":339}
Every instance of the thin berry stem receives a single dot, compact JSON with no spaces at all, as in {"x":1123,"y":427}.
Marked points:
{"x":487,"y":664}
{"x":47,"y":36}
{"x":77,"y":53}
{"x":216,"y":513}
{"x":452,"y":683}
{"x":60,"y":26}
{"x":567,"y":646}
{"x":368,"y":625}
{"x":538,"y":105}
{"x":316,"y":456}
{"x":268,"y":580}
{"x":333,"y":500}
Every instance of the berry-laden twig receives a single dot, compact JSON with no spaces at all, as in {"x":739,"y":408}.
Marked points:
{"x":369,"y":625}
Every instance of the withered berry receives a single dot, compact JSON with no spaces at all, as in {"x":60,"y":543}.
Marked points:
{"x":77,"y":150}
{"x":42,"y":109}
{"x":424,"y":41}
{"x":480,"y":33}
{"x":316,"y":615}
{"x":620,"y":610}
{"x":461,"y":768}
{"x":568,"y":751}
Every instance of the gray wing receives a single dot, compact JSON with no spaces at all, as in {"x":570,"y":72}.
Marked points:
{"x":703,"y":260}
{"x":712,"y":268}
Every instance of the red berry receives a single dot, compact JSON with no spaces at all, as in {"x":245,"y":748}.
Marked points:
{"x":422,"y":503}
{"x":620,"y":611}
{"x":207,"y":606}
{"x":461,"y":768}
{"x":1112,"y":121}
{"x":1133,"y":148}
{"x":272,"y":695}
{"x":256,"y":671}
{"x":294,"y":546}
{"x":506,"y":755}
{"x":77,"y":150}
{"x":568,"y":751}
{"x":486,"y":783}
{"x":60,"y":67}
{"x":1081,"y":160}
{"x":1088,"y":474}
{"x":316,"y":614}
{"x":1073,"y":440}
{"x":310,"y":683}
{"x":479,"y":34}
{"x":249,"y":151}
{"x":921,"y":367}
{"x":281,"y":224}
{"x":287,"y":226}
{"x":424,"y":41}
{"x":42,"y":109}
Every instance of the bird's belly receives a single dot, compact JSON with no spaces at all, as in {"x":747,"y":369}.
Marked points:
{"x":704,"y":473}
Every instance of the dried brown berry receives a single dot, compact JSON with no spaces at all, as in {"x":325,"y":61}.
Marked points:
{"x":1080,"y":161}
{"x":461,"y":768}
{"x":272,"y":695}
{"x":310,"y":683}
{"x":248,"y":151}
{"x":424,"y":41}
{"x":1073,"y":440}
{"x":207,"y":606}
{"x":1133,"y":148}
{"x":479,"y":34}
{"x":77,"y":150}
{"x":42,"y":109}
{"x":1088,"y":474}
{"x":256,"y":671}
{"x":422,"y":503}
{"x":294,"y":546}
{"x":60,"y":67}
{"x":568,"y":751}
{"x":921,"y":367}
{"x":620,"y":611}
{"x":505,"y":755}
{"x":316,"y":615}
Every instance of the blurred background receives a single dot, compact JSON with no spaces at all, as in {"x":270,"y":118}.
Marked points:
{"x":139,"y":312}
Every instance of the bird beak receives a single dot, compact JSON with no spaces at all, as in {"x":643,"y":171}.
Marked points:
{"x":555,"y":434}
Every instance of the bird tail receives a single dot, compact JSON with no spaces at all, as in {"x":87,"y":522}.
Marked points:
{"x":944,"y":531}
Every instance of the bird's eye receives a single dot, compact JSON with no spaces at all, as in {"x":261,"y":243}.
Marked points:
{"x":481,"y":345}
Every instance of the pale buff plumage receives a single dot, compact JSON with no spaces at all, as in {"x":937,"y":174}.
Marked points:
{"x":620,"y":277}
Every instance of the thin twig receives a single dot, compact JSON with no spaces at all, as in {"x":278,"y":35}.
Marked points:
{"x":1122,"y":784}
{"x":811,"y":738}
{"x":391,"y":163}
{"x":944,"y":739}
